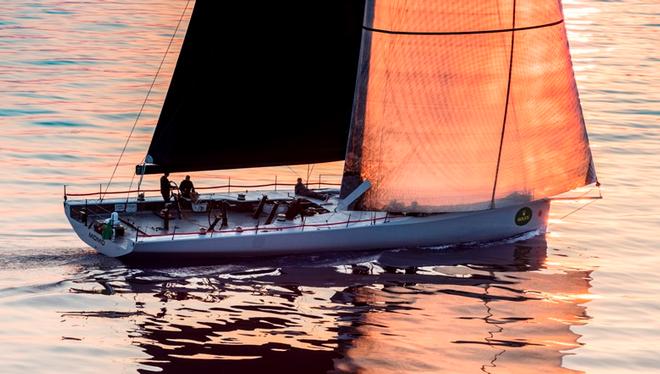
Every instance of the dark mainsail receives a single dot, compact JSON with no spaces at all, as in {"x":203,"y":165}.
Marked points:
{"x":260,"y":84}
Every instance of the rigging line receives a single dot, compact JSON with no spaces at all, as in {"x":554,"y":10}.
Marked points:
{"x":128,"y":195}
{"x":144,"y":103}
{"x":293,"y":171}
{"x":578,"y":209}
{"x":582,"y":196}
{"x":309,"y":172}
{"x":506,"y":106}
{"x":307,"y":177}
{"x":383,"y":31}
{"x":600,"y":194}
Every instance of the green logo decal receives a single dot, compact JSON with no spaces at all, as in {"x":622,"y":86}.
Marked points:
{"x":523,"y":216}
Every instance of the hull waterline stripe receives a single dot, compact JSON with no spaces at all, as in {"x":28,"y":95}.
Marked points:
{"x":383,"y":31}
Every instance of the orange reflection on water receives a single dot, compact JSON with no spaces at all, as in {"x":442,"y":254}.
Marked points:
{"x":498,"y":309}
{"x":466,"y":332}
{"x":72,"y":85}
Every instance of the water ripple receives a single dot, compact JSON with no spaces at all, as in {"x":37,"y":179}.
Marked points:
{"x":74,"y":75}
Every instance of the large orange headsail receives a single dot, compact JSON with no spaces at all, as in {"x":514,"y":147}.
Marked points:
{"x":465,"y":105}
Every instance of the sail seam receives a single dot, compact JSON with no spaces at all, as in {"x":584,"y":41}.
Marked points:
{"x":383,"y":31}
{"x":506,"y":106}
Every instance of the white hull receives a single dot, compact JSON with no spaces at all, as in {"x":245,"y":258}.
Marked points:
{"x":380,"y":233}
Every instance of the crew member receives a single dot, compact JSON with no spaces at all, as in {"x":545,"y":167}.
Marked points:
{"x":165,"y":187}
{"x":302,"y":190}
{"x":186,"y":188}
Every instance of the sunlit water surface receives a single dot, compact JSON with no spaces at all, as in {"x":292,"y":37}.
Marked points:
{"x":582,"y":298}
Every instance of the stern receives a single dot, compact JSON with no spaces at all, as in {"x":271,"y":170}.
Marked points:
{"x":84,"y":227}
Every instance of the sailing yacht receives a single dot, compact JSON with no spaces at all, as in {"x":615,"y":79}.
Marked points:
{"x":457,"y":122}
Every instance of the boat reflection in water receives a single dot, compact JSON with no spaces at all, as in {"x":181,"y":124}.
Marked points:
{"x":497,"y":308}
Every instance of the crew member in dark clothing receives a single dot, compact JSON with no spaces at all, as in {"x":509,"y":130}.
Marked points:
{"x":186,"y":188}
{"x":302,"y":190}
{"x":165,"y":187}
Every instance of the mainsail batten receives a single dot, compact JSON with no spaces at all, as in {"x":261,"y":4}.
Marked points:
{"x":250,"y":90}
{"x":436,"y":85}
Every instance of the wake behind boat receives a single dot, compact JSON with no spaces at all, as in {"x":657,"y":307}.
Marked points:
{"x":457,"y":122}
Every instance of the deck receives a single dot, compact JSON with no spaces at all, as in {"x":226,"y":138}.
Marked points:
{"x":247,"y":212}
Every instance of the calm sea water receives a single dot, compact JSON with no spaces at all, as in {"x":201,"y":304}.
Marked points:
{"x":583,"y":298}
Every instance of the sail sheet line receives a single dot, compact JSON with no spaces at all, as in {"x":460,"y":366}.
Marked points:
{"x":393,"y":32}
